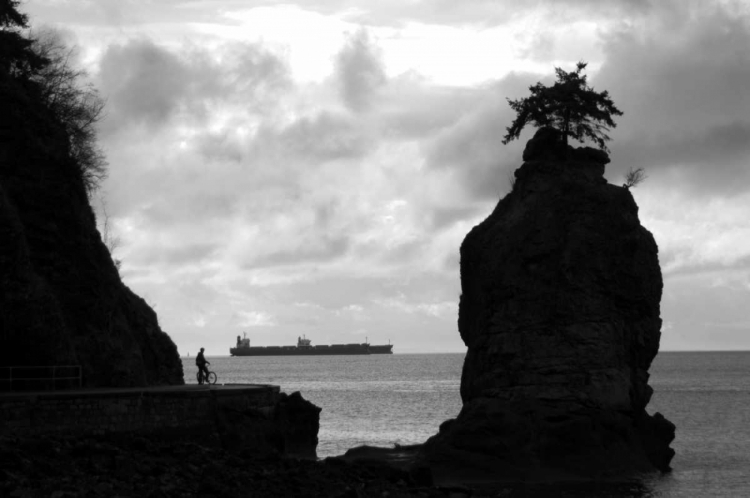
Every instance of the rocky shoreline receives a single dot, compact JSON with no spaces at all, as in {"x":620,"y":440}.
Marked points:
{"x":124,"y":466}
{"x":65,"y":467}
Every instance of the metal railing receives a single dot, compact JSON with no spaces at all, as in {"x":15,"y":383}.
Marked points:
{"x":40,"y":378}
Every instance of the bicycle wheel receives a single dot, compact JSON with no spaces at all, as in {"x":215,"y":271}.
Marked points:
{"x":198,"y":377}
{"x":211,"y":378}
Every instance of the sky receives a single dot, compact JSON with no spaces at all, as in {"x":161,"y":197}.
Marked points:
{"x":311,"y":167}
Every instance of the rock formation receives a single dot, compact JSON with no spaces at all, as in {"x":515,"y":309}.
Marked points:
{"x":559,"y":310}
{"x":61,"y":298}
{"x":287,"y":427}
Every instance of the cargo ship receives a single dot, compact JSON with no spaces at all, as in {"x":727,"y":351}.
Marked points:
{"x":304,"y":348}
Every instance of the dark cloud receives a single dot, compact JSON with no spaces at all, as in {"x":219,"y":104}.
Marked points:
{"x":360,"y":72}
{"x":473,"y":146}
{"x":142,"y":81}
{"x":680,"y":74}
{"x":146,"y":83}
{"x":682,"y":80}
{"x":711,"y":160}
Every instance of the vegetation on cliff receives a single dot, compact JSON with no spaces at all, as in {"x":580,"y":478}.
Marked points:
{"x":40,"y":69}
{"x":569,"y":106}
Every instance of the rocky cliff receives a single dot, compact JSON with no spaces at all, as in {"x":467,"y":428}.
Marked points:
{"x":61,"y":298}
{"x":559,"y":310}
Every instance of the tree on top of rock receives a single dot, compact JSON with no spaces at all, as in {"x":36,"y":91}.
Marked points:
{"x":570,"y":106}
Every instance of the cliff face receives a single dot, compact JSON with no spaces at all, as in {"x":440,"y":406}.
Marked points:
{"x":61,"y":298}
{"x":560,"y":313}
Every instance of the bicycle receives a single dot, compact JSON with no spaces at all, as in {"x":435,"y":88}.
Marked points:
{"x":209,"y":379}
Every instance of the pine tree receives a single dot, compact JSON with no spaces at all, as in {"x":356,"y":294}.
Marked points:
{"x":570,"y":106}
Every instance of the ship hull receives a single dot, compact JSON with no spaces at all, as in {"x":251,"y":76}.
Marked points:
{"x":384,"y":349}
{"x":347,"y":349}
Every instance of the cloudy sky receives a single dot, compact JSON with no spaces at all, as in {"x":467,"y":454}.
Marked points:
{"x":311,"y":167}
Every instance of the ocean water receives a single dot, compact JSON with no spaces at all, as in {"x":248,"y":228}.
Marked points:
{"x":385,"y":399}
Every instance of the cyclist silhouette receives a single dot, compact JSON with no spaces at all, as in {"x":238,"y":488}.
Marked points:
{"x":201,"y":362}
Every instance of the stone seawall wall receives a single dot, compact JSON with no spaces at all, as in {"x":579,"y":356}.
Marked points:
{"x":179,"y":411}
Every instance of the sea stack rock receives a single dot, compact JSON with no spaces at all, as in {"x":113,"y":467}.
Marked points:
{"x":62,"y":301}
{"x":559,"y":310}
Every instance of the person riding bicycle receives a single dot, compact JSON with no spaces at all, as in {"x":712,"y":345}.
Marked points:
{"x":201,"y":362}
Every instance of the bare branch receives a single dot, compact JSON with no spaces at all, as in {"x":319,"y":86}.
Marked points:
{"x":634,"y":177}
{"x":76,"y":105}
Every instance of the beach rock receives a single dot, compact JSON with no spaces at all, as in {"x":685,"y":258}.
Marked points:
{"x":288,"y":427}
{"x":62,"y":301}
{"x":181,"y":467}
{"x":299,"y":423}
{"x":561,"y":290}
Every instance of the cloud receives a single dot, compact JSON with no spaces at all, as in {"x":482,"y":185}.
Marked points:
{"x":435,"y":309}
{"x":179,"y":255}
{"x":694,"y":237}
{"x":481,"y":13}
{"x":707,"y":310}
{"x":143,"y":81}
{"x":681,"y":78}
{"x":241,"y":185}
{"x":472,"y":147}
{"x":147,"y":83}
{"x":123,"y":13}
{"x":413,"y":108}
{"x":255,"y":319}
{"x":360,"y":72}
{"x":326,"y":248}
{"x":442,"y":217}
{"x":325,"y":136}
{"x":708,"y":161}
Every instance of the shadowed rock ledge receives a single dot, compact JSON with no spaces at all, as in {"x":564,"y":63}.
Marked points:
{"x":559,"y":310}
